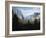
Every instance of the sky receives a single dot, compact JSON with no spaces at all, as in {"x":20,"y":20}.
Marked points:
{"x":26,"y":11}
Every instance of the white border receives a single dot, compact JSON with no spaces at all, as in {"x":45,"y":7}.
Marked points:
{"x":25,"y":32}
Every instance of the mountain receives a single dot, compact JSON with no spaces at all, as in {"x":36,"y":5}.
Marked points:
{"x":30,"y":18}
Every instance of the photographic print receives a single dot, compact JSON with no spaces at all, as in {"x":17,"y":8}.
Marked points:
{"x":25,"y":19}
